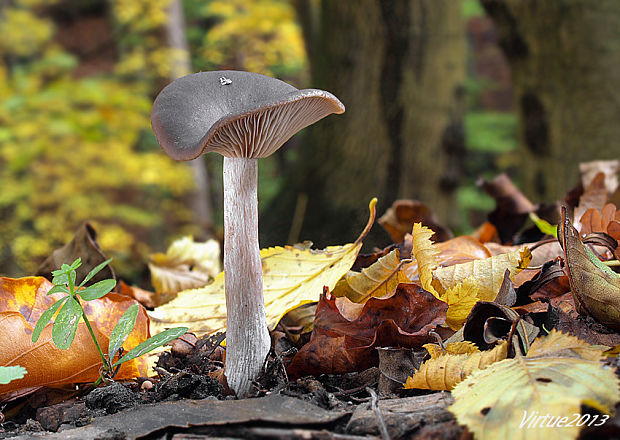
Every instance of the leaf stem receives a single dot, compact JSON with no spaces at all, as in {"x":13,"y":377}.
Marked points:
{"x":106,"y":364}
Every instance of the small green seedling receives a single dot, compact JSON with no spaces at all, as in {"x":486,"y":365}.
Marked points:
{"x":71,"y":310}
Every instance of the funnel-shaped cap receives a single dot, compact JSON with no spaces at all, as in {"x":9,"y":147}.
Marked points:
{"x":236,"y":114}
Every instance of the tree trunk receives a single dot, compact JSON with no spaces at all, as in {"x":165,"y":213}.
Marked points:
{"x":181,"y":66}
{"x":399,"y":67}
{"x":565,"y":62}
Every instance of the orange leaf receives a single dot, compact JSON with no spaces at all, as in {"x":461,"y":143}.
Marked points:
{"x":23,"y":300}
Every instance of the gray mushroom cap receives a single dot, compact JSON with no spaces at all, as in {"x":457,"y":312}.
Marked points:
{"x":236,"y":114}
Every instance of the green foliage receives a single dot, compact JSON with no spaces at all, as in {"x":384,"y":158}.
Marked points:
{"x":71,"y":149}
{"x":68,"y":318}
{"x":491,"y":132}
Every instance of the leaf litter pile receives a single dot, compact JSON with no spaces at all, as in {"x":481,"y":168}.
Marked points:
{"x":510,"y":332}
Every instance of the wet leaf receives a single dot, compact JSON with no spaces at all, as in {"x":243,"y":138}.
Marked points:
{"x":66,"y":323}
{"x":444,"y":371}
{"x":559,"y":374}
{"x":121,"y":331}
{"x":595,"y":287}
{"x":152,"y":343}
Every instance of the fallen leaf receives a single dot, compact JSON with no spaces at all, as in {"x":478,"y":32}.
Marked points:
{"x":444,"y":371}
{"x":185,"y":265}
{"x":462,"y":285}
{"x":84,"y":246}
{"x":341,"y":344}
{"x":512,"y":207}
{"x":489,"y":272}
{"x":595,"y":287}
{"x":144,"y":297}
{"x":23,"y":300}
{"x":400,"y":217}
{"x":292,"y":276}
{"x":378,"y":280}
{"x":593,"y":197}
{"x":523,"y":398}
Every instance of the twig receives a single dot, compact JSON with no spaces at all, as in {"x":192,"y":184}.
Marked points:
{"x":375,"y":409}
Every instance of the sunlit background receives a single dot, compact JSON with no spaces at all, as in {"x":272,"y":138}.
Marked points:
{"x":77,"y":79}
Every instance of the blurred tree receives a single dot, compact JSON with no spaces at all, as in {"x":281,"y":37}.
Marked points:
{"x":75,"y":149}
{"x":565,"y":61}
{"x":399,"y":67}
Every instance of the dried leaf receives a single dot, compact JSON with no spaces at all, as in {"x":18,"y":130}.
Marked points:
{"x":378,"y":280}
{"x":84,"y":246}
{"x":488,"y":272}
{"x":185,"y":265}
{"x":292,"y":276}
{"x":462,"y":285}
{"x":595,"y":287}
{"x":400,"y":217}
{"x":444,"y":371}
{"x":508,"y":398}
{"x":23,"y":300}
{"x":341,"y":344}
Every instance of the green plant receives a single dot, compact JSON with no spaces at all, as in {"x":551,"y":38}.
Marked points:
{"x":71,"y":310}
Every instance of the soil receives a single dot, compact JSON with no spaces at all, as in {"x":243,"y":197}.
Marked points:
{"x":188,"y":401}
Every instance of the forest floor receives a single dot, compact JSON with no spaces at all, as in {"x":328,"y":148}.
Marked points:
{"x":189,"y":404}
{"x":186,"y":405}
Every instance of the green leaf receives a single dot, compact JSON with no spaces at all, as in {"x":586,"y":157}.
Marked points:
{"x":58,"y":288}
{"x":123,"y":327}
{"x":152,"y":343}
{"x":8,"y":374}
{"x":66,"y":324}
{"x":97,"y":290}
{"x":77,"y":263}
{"x":544,"y":226}
{"x":45,"y":318}
{"x":94,"y":272}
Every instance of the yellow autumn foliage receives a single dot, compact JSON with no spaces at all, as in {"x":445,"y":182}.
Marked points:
{"x":377,"y":280}
{"x":536,"y":396}
{"x":444,"y":370}
{"x":462,"y":285}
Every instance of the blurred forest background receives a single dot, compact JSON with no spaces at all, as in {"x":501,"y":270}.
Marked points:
{"x":438,"y":94}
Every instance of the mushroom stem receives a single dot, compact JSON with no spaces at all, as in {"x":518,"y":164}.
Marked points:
{"x":247,"y":336}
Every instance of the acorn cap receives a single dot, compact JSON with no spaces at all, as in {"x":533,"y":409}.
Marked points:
{"x":236,"y":114}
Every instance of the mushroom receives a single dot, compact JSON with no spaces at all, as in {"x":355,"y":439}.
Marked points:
{"x":243,"y":116}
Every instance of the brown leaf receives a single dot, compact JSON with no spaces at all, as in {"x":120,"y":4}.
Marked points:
{"x":512,"y":207}
{"x":594,"y":196}
{"x":83,"y":245}
{"x":339,"y":345}
{"x":399,"y":219}
{"x":595,"y":287}
{"x":144,"y":297}
{"x":23,"y":300}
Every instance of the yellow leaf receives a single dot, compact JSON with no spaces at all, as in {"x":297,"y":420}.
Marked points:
{"x":461,"y":299}
{"x":535,"y":397}
{"x":377,"y":280}
{"x":444,"y":371}
{"x":426,"y":255}
{"x":292,"y":276}
{"x":463,"y":347}
{"x":185,"y":265}
{"x":488,"y":272}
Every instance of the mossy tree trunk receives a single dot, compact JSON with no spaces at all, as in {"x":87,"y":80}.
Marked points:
{"x":399,"y":68}
{"x":565,"y":61}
